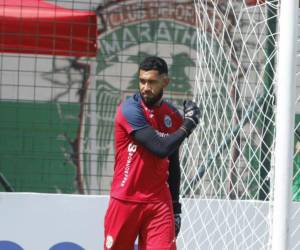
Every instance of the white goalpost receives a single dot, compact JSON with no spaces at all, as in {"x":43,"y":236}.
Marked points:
{"x":284,"y":130}
{"x":236,"y":167}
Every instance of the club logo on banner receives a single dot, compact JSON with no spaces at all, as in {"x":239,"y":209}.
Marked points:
{"x":130,"y":31}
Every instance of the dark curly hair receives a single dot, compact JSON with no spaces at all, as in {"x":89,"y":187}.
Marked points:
{"x":154,"y":63}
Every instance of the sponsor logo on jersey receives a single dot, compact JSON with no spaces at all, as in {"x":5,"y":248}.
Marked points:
{"x":161,"y":134}
{"x":131,"y":150}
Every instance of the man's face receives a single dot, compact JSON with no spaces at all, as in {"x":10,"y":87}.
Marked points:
{"x":151,"y":85}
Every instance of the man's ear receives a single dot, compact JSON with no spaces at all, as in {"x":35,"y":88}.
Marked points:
{"x":166,"y":81}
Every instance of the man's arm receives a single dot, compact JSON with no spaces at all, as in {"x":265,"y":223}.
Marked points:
{"x":174,"y":185}
{"x":174,"y":179}
{"x":160,"y":145}
{"x":164,"y":145}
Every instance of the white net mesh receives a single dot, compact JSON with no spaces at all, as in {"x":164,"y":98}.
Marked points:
{"x":227,"y":162}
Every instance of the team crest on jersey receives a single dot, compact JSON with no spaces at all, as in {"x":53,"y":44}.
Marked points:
{"x":168,"y":121}
{"x":109,"y":241}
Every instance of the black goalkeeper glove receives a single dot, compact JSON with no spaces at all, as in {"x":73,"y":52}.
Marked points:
{"x":191,"y":116}
{"x":177,"y":217}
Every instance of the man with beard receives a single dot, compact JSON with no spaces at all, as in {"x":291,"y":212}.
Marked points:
{"x":144,"y":200}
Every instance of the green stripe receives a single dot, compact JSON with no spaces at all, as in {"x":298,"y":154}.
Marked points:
{"x":34,"y":150}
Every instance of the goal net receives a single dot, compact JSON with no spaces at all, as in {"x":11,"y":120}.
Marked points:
{"x":227,"y":163}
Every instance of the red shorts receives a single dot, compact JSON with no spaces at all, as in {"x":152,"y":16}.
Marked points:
{"x":152,"y":223}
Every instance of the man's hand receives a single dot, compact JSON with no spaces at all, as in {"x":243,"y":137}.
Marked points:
{"x":191,"y":116}
{"x":177,"y":222}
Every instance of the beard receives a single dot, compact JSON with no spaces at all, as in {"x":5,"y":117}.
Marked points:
{"x":151,"y":101}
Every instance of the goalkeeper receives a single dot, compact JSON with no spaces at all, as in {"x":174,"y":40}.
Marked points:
{"x":144,"y":200}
